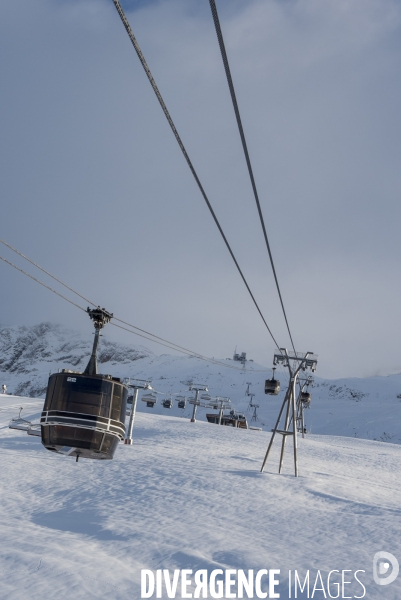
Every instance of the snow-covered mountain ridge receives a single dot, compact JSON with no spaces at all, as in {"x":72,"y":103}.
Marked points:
{"x":367,"y":408}
{"x":29,"y":354}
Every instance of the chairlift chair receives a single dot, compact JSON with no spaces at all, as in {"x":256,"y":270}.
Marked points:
{"x":167,"y":403}
{"x":19,"y":422}
{"x":150,"y":399}
{"x":35,"y":429}
{"x":272,"y":386}
{"x":206,"y":397}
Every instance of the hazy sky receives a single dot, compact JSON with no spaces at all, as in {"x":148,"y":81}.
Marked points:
{"x":95,"y":189}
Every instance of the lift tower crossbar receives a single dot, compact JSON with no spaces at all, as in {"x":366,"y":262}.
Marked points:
{"x":295,"y":362}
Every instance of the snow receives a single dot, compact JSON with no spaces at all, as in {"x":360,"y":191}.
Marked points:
{"x":366,"y":408}
{"x":190,"y":496}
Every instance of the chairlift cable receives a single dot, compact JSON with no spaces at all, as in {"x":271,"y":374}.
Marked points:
{"x":176,"y":346}
{"x":41,"y":283}
{"x":47,"y":272}
{"x":181,"y":145}
{"x":245,"y":147}
{"x":168,"y":344}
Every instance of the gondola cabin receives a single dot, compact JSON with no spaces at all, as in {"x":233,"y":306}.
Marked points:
{"x":306,"y":397}
{"x":272,"y":386}
{"x":83,"y":415}
{"x":182,"y":401}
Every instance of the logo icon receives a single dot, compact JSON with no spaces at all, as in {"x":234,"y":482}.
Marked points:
{"x":385,"y":568}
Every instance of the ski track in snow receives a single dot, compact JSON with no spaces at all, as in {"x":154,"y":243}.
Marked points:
{"x":189,"y":496}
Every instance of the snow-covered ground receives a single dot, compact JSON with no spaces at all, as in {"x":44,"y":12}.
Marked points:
{"x":190,"y":496}
{"x":365,"y":408}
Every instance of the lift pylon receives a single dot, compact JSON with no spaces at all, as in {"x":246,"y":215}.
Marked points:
{"x":295,"y":362}
{"x":250,"y":405}
{"x":193,"y":387}
{"x":139,"y":384}
{"x":255,"y":413}
{"x":303,"y":401}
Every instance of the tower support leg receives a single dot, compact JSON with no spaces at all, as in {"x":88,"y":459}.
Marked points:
{"x":287,"y":420}
{"x":294,"y":408}
{"x":128,"y":439}
{"x":274,"y":433}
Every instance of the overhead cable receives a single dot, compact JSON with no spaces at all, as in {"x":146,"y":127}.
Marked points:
{"x":41,"y":283}
{"x":170,"y":345}
{"x":245,"y":147}
{"x":154,"y":338}
{"x":47,"y":272}
{"x":181,"y":145}
{"x":187,"y":352}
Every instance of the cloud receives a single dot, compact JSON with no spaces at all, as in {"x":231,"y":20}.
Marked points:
{"x":96,"y":190}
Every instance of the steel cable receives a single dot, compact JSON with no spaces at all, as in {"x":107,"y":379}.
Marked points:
{"x":181,"y":145}
{"x":84,"y":298}
{"x":154,"y":338}
{"x":47,"y":272}
{"x":184,"y":351}
{"x":41,"y":283}
{"x":245,"y":148}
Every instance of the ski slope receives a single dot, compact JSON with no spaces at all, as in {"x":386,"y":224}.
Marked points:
{"x":190,"y":496}
{"x":368,"y":408}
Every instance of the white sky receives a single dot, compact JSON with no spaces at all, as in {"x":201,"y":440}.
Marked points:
{"x":95,"y":189}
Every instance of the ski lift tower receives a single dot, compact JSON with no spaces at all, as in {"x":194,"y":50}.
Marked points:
{"x":303,"y":401}
{"x":255,"y":412}
{"x":193,"y":387}
{"x":221,"y":403}
{"x":251,"y":405}
{"x":295,"y":362}
{"x":138,"y":385}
